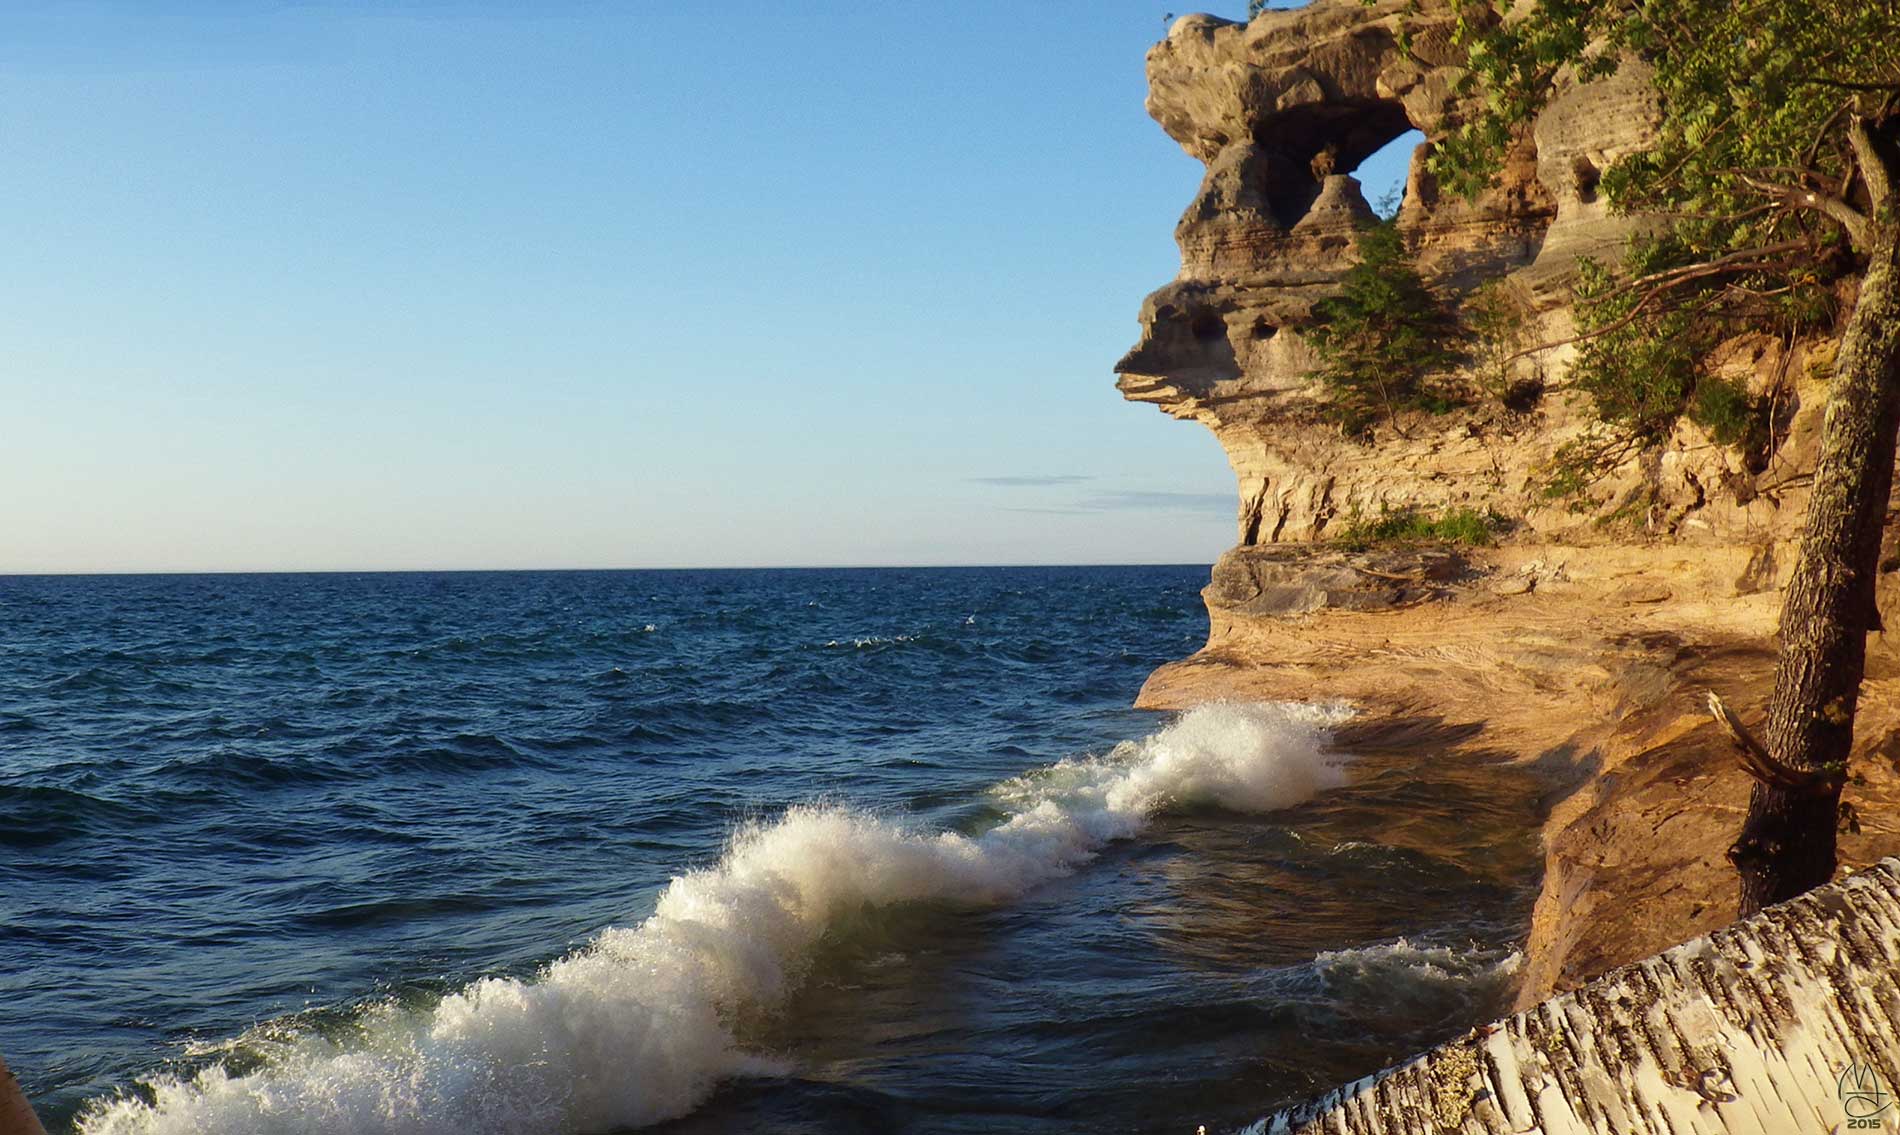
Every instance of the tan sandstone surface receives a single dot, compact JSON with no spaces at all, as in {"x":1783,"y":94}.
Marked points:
{"x":1596,"y":677}
{"x":1585,"y":642}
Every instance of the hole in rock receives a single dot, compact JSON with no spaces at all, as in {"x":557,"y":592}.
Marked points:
{"x":1585,"y":177}
{"x":1208,"y":325}
{"x":1383,"y":174}
{"x":1371,"y":140}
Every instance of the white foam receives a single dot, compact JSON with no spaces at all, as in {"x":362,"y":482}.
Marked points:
{"x":1400,"y":975}
{"x":872,"y":640}
{"x":1424,"y":962}
{"x":1400,"y":964}
{"x":636,"y":1027}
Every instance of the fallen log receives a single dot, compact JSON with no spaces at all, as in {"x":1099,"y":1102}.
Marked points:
{"x":1783,"y":1022}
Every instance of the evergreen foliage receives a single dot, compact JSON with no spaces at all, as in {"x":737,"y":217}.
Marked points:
{"x":1383,"y":337}
{"x":1498,"y":330}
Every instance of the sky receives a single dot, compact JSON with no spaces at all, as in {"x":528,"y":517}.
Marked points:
{"x":441,"y":285}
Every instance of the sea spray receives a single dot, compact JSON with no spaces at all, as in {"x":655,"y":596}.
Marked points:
{"x":635,"y":1027}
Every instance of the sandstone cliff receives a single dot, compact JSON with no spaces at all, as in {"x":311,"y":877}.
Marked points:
{"x":1585,"y":640}
{"x":1281,"y":110}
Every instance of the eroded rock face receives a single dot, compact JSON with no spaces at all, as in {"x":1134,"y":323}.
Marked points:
{"x":1584,"y":642}
{"x":1285,"y":581}
{"x":1281,"y":110}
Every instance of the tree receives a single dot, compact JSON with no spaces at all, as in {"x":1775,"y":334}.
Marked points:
{"x":1382,"y":336}
{"x":1775,"y":165}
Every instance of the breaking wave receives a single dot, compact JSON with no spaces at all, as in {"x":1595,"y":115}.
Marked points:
{"x":638,"y":1026}
{"x":1399,"y":966}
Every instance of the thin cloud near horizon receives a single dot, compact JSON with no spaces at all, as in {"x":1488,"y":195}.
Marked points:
{"x":1033,"y":480}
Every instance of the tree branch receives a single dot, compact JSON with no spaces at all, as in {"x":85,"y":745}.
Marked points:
{"x":1734,"y":261}
{"x":1617,"y":324}
{"x":1757,"y":761}
{"x":1839,"y":211}
{"x":1747,"y":260}
{"x":1820,"y":136}
{"x":1874,"y":169}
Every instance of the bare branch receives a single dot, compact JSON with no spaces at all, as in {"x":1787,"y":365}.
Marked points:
{"x":1615,"y":325}
{"x":1618,"y":324}
{"x":1820,"y":136}
{"x":1874,"y":169}
{"x":1661,"y":283}
{"x":1759,"y":763}
{"x":1843,"y":214}
{"x":1734,"y":262}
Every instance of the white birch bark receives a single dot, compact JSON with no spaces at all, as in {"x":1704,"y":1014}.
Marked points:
{"x":1747,"y":1031}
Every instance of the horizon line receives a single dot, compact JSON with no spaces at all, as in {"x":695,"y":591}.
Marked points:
{"x":9,"y":574}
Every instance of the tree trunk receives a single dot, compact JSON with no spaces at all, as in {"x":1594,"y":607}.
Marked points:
{"x":1787,"y":841}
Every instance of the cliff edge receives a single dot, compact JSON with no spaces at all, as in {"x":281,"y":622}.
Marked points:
{"x":1584,"y":640}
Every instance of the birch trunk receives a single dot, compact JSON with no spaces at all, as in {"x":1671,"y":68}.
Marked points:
{"x":1785,"y":1022}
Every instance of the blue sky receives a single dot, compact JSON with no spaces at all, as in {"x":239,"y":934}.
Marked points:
{"x":454,"y":285}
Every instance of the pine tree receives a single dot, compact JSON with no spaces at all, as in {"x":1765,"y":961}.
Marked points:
{"x":1382,"y":337}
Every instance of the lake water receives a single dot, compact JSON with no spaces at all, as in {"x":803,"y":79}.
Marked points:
{"x":812,"y":851}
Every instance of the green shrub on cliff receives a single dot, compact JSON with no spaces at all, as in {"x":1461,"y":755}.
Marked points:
{"x":1498,"y":330}
{"x":1382,"y":337}
{"x":1466,"y":526}
{"x":1643,"y":362}
{"x":1637,"y":369}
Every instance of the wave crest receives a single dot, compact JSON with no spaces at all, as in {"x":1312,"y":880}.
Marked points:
{"x":637,"y":1026}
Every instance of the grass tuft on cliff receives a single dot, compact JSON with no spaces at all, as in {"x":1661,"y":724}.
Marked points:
{"x":1407,"y":526}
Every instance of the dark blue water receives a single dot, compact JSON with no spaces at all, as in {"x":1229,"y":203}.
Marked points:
{"x":265,"y":831}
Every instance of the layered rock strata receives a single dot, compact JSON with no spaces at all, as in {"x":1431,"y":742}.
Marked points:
{"x":1585,"y":641}
{"x":1281,"y":110}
